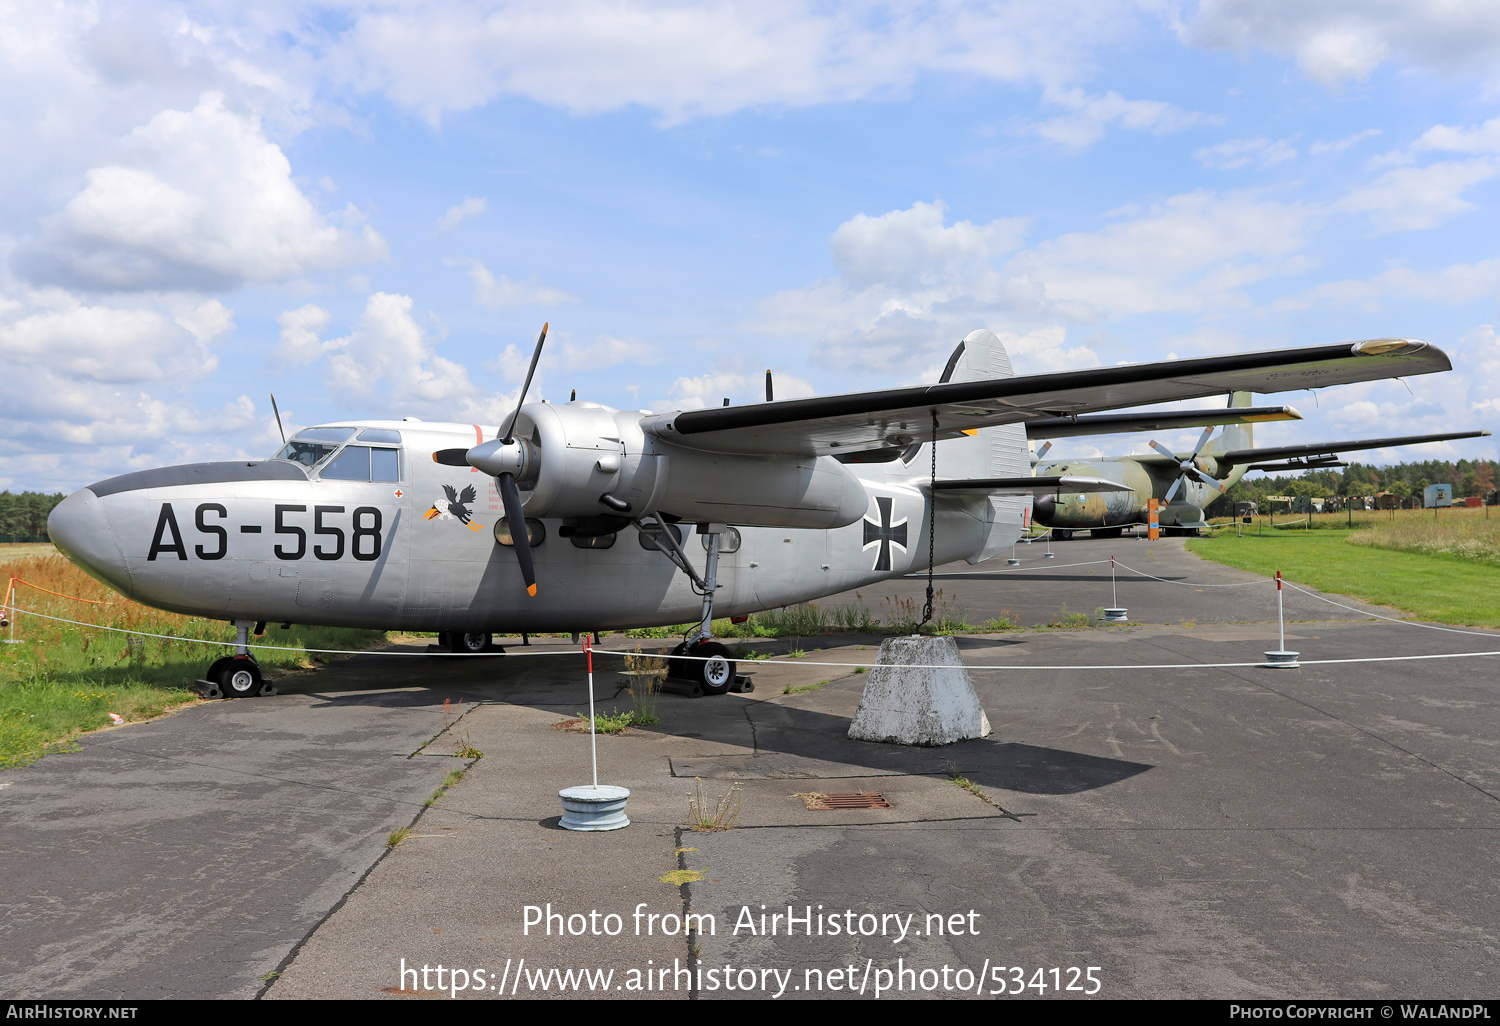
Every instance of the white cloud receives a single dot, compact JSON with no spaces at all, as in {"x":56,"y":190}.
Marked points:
{"x":391,"y":357}
{"x":1339,"y":41}
{"x":200,"y":200}
{"x":909,"y":286}
{"x":1323,"y":146}
{"x":501,"y":292}
{"x":1456,"y":283}
{"x":1238,"y":153}
{"x":606,"y":351}
{"x":688,"y":60}
{"x":77,"y":341}
{"x":1092,"y":115}
{"x":704,"y":390}
{"x":457,"y":214}
{"x":1410,"y":198}
{"x":1483,"y":139}
{"x":1193,"y":252}
{"x":298,"y":342}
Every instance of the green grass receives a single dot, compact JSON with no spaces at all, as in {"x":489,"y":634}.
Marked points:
{"x":1440,"y":588}
{"x":64,"y":680}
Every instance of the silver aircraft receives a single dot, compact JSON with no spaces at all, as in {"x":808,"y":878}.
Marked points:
{"x":632,"y":518}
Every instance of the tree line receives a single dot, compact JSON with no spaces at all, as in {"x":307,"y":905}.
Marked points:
{"x":1468,"y":477}
{"x":23,"y":515}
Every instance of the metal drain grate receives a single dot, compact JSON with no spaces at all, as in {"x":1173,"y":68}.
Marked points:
{"x":848,"y":800}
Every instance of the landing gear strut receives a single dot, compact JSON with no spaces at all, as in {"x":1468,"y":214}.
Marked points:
{"x":238,"y":675}
{"x":713,"y":671}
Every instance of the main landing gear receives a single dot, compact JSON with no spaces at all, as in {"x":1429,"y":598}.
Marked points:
{"x":712,"y":671}
{"x":238,"y":675}
{"x":466,"y":642}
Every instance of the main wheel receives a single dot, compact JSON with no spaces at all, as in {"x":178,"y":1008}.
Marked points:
{"x":715,"y":672}
{"x":472,"y":642}
{"x":1106,"y":532}
{"x":1062,"y":535}
{"x":238,"y":676}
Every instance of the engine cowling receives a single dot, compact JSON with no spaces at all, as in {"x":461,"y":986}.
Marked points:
{"x":571,"y":459}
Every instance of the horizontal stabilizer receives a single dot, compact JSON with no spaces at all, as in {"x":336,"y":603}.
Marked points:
{"x":1291,"y":452}
{"x":1119,"y":423}
{"x":886,"y":418}
{"x":1031,"y":485}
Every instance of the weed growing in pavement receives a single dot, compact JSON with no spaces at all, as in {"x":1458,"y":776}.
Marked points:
{"x":678,"y":877}
{"x":397,"y":836}
{"x":723,"y":813}
{"x":646,"y":676}
{"x":804,"y":689}
{"x":1065,"y":619}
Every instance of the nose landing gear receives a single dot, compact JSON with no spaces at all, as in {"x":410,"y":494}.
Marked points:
{"x":235,"y":676}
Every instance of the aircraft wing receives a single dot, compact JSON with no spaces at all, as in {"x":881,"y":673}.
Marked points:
{"x":1031,"y":485}
{"x":860,"y":421}
{"x":1290,"y":452}
{"x":1118,"y":423}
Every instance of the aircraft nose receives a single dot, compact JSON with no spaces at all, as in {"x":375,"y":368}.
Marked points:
{"x":1042,"y":508}
{"x":80,"y":529}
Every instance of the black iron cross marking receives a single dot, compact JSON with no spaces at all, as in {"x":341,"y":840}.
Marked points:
{"x":884,"y":533}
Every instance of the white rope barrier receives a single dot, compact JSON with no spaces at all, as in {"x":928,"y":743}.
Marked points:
{"x":1011,"y":570}
{"x":791,"y":661}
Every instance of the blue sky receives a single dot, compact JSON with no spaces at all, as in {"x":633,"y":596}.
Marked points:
{"x":370,"y":209}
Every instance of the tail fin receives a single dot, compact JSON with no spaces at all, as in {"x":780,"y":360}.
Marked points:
{"x":993,"y":451}
{"x":1235,"y":436}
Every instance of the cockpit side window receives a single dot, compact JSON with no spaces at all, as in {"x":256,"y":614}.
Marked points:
{"x":309,"y":454}
{"x":312,"y":446}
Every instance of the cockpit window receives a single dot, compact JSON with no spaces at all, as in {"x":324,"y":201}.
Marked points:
{"x":309,"y":454}
{"x":325,"y":434}
{"x":380,"y":435}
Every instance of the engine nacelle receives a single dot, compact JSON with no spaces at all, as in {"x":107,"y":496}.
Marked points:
{"x":580,"y":452}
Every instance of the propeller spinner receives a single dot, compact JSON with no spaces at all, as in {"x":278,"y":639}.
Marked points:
{"x":1189,"y":466}
{"x":506,"y":458}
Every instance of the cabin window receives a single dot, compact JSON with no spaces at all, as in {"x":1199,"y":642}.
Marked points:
{"x":536,"y":532}
{"x":385,"y":464}
{"x":362,"y":463}
{"x":648,"y":539}
{"x":729,"y":541}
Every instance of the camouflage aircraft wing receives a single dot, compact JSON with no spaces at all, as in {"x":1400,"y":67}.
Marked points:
{"x":860,"y":421}
{"x":1031,"y":485}
{"x":1332,"y":449}
{"x":1119,"y":423}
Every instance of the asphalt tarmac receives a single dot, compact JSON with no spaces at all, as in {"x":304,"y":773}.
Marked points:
{"x":1197,"y":832}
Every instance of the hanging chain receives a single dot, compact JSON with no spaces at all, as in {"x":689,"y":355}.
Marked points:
{"x":931,"y":524}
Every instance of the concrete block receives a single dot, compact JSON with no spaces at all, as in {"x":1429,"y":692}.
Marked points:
{"x":905,"y":703}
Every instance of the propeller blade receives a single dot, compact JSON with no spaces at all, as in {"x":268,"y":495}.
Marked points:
{"x":1163,"y":450}
{"x":516,"y":517}
{"x":1173,"y":490}
{"x":536,"y":354}
{"x":1043,"y":450}
{"x":1202,"y":441}
{"x":278,"y":418}
{"x":450,"y":457}
{"x":769,"y":397}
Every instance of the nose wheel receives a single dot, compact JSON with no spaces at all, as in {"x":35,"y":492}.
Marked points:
{"x":236,"y":676}
{"x":713,"y":671}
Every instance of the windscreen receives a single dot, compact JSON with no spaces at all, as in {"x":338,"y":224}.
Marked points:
{"x":312,"y":446}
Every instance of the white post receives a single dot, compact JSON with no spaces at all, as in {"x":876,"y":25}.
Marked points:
{"x":1280,"y":615}
{"x":1114,"y":595}
{"x":588,"y":651}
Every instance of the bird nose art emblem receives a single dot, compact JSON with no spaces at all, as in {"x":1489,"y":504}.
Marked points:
{"x":884,"y":533}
